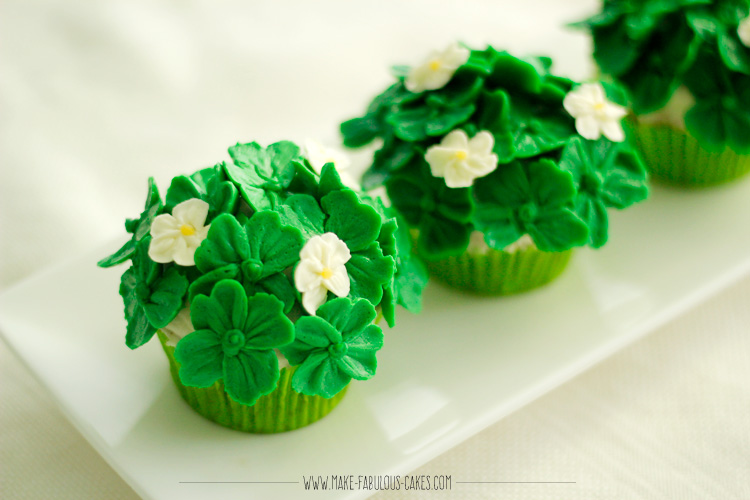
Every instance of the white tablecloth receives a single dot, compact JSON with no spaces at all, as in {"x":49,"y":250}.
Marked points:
{"x":96,"y":96}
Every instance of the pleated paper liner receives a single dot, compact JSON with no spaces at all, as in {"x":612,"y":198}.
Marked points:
{"x":674,"y":157}
{"x":282,"y":410}
{"x":497,"y":272}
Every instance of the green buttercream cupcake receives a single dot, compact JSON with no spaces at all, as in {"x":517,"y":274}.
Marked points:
{"x":263,"y":277}
{"x":481,"y":146}
{"x":686,"y":65}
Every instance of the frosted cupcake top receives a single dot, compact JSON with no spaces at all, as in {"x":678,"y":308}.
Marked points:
{"x":656,"y":48}
{"x":482,"y":140}
{"x":267,"y":255}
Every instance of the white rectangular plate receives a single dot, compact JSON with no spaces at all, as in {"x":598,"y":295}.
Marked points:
{"x":444,"y":375}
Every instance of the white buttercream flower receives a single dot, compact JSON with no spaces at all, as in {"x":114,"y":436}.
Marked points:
{"x":437,"y":70}
{"x":594,"y":114}
{"x":321,"y":269}
{"x":743,"y":31}
{"x":460,"y":160}
{"x":175,"y":237}
{"x":180,"y":326}
{"x":319,"y":155}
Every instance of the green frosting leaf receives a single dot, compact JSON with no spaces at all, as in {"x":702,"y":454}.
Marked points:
{"x":256,"y":254}
{"x":334,"y":347}
{"x":139,"y":330}
{"x":153,"y":294}
{"x":140,"y":227}
{"x":260,"y":174}
{"x":439,"y":213}
{"x":606,"y":174}
{"x":234,"y":340}
{"x":355,"y":223}
{"x":532,"y":199}
{"x":369,"y":270}
{"x":302,"y":212}
{"x":209,"y":185}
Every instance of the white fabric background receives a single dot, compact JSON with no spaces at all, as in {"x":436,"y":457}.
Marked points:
{"x":97,"y":96}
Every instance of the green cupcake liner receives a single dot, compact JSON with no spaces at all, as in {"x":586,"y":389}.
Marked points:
{"x":500,"y":273}
{"x":282,"y":410}
{"x":675,"y":157}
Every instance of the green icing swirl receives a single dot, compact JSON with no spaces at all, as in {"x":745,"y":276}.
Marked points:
{"x":654,"y":47}
{"x":540,"y":187}
{"x":262,"y":208}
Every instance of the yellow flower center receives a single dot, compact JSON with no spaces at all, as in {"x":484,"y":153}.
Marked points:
{"x":435,"y":64}
{"x":187,"y":230}
{"x":599,"y":106}
{"x":460,"y":154}
{"x":326,"y":273}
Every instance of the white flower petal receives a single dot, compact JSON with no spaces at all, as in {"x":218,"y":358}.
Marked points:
{"x":577,"y":104}
{"x":588,"y":127}
{"x":439,"y":158}
{"x":193,"y":211}
{"x":482,"y":143}
{"x":479,"y":166}
{"x":183,"y":254}
{"x":313,"y":299}
{"x":349,"y":181}
{"x":596,"y":91}
{"x":319,"y":155}
{"x":613,"y":131}
{"x":161,"y":249}
{"x":336,"y":251}
{"x":457,"y":178}
{"x":613,"y":111}
{"x":455,"y":56}
{"x":339,"y":282}
{"x":307,"y":275}
{"x":456,"y":139}
{"x":164,"y":224}
{"x":743,"y":31}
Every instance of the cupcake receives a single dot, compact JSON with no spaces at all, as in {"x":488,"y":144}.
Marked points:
{"x":499,"y":167}
{"x":686,"y":65}
{"x":264,"y":281}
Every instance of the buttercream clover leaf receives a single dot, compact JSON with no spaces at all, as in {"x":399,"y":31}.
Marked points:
{"x":234,"y":340}
{"x":606,"y":175}
{"x":256,"y":255}
{"x":152,"y":294}
{"x":176,"y":236}
{"x":440,"y":214}
{"x":417,"y":124}
{"x":140,"y":227}
{"x":534,"y":199}
{"x":361,"y":131}
{"x":394,"y":155}
{"x":537,"y":127}
{"x":410,"y":277}
{"x":210,"y":185}
{"x":335,"y":346}
{"x":262,"y":174}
